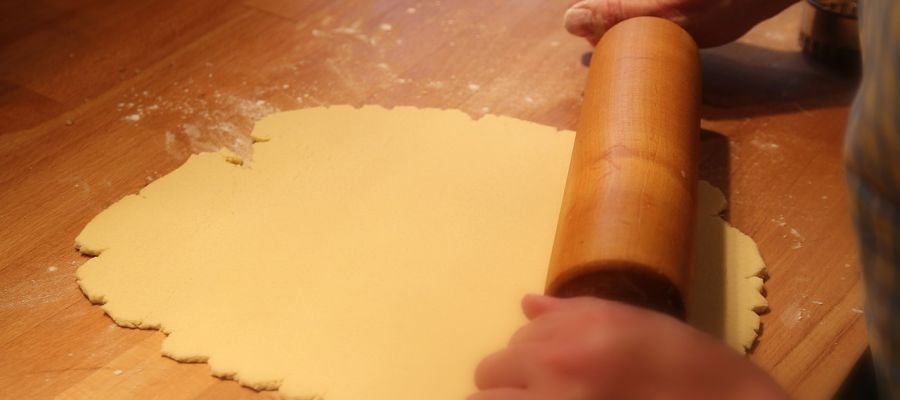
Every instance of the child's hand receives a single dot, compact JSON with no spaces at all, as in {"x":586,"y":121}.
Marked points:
{"x":591,"y":349}
{"x":710,"y":22}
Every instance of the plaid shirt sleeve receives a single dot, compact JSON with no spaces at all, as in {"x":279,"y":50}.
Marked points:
{"x":872,"y":159}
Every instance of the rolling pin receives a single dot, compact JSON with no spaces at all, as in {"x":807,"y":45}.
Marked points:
{"x":626,"y":221}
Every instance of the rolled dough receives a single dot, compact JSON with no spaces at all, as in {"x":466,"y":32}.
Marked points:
{"x":364,"y":253}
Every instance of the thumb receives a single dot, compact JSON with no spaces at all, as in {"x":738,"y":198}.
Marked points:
{"x":535,"y":305}
{"x":592,"y":18}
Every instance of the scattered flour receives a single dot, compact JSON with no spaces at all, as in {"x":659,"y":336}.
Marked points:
{"x":170,"y":140}
{"x":764,"y":145}
{"x":798,"y":243}
{"x":348,"y":30}
{"x":792,"y":315}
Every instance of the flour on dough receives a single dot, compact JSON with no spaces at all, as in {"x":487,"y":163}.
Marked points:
{"x":362,"y":254}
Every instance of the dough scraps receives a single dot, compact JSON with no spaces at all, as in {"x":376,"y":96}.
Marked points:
{"x":364,"y":253}
{"x":725,"y":293}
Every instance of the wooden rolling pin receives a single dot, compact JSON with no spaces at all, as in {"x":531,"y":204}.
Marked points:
{"x":627,"y":215}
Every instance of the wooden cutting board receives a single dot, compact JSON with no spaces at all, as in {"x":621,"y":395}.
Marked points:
{"x":98,"y":98}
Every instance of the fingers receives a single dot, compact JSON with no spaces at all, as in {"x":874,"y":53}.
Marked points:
{"x":579,"y":21}
{"x":547,"y":319}
{"x":535,"y":305}
{"x":509,"y":368}
{"x":536,"y":333}
{"x":503,"y":394}
{"x":533,"y":373}
{"x":592,"y":18}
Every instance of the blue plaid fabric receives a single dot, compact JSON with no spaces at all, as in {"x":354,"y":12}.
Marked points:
{"x":872,"y":157}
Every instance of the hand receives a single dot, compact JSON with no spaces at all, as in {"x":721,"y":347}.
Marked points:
{"x":710,"y":22}
{"x":591,"y":349}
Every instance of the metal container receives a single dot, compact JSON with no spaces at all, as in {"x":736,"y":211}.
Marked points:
{"x":829,"y":33}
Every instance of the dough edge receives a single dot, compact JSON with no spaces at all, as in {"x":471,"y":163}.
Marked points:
{"x":261,"y":133}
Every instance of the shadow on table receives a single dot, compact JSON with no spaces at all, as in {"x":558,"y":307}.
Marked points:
{"x":742,"y":80}
{"x":714,"y":161}
{"x":861,"y":383}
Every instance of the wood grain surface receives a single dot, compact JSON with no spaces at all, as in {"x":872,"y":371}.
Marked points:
{"x":627,"y":214}
{"x":97,"y":98}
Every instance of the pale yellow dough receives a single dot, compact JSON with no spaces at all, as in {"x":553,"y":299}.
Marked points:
{"x":362,"y":254}
{"x":726,"y":287}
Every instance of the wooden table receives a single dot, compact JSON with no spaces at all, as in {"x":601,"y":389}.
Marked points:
{"x":98,"y":97}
